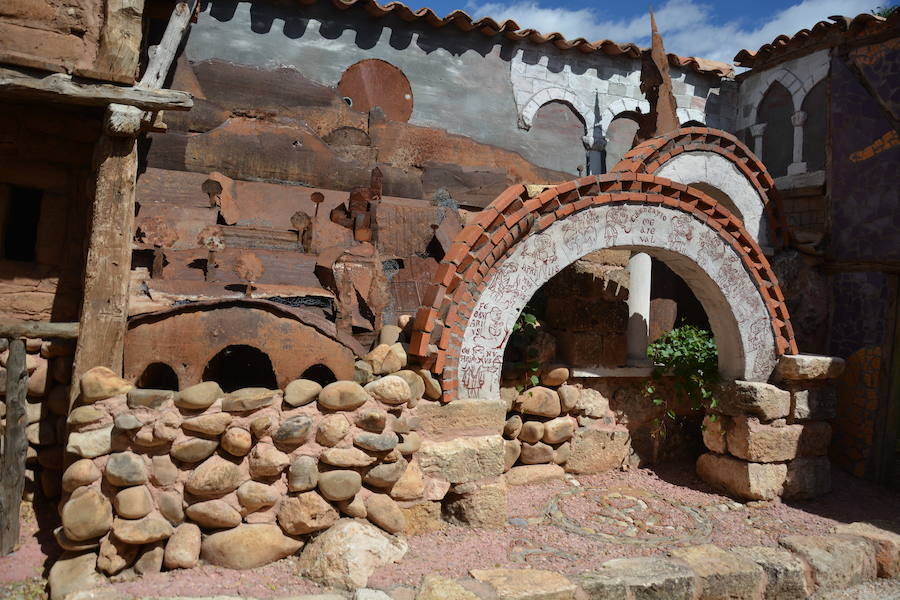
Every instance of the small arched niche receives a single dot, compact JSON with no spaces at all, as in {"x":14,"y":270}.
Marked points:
{"x":320,"y":374}
{"x":620,"y":137}
{"x":158,"y":376}
{"x":775,"y":111}
{"x":240,"y":366}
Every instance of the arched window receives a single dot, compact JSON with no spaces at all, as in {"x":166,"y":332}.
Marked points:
{"x":373,"y":82}
{"x":320,"y":374}
{"x":815,"y":127}
{"x":620,"y":138}
{"x":158,"y":376}
{"x":556,"y":132}
{"x":775,"y":111}
{"x":239,"y":366}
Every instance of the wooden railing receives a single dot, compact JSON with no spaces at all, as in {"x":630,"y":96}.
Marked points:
{"x":15,"y":443}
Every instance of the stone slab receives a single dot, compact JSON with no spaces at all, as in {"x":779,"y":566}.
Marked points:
{"x":808,"y":367}
{"x":762,"y":400}
{"x":463,"y":459}
{"x":887,"y":545}
{"x":464,"y":415}
{"x":723,"y":574}
{"x":526,"y":584}
{"x":747,"y":480}
{"x":647,"y":578}
{"x":837,"y":561}
{"x":786,"y":577}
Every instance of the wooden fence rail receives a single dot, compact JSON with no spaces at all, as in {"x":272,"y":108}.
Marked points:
{"x":15,"y":443}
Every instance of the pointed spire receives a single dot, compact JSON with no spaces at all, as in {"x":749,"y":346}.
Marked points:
{"x":657,"y":87}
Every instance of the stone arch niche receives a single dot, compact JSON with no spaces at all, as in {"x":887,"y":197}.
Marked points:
{"x":720,"y":165}
{"x":521,"y":240}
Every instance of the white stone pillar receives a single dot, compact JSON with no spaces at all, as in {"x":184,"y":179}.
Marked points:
{"x":798,"y":166}
{"x":757,"y":132}
{"x":638,"y":332}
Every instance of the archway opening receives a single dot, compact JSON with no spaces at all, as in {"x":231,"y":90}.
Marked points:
{"x":320,"y":374}
{"x":240,"y":366}
{"x":775,"y":112}
{"x":620,"y":137}
{"x":158,"y":376}
{"x":556,"y":135}
{"x":815,"y":127}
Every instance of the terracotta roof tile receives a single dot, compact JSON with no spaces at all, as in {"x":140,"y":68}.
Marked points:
{"x":839,"y":27}
{"x":511,"y":30}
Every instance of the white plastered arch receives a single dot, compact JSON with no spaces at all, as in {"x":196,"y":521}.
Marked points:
{"x":613,"y":110}
{"x":551,"y":94}
{"x":690,"y":114}
{"x":714,"y":271}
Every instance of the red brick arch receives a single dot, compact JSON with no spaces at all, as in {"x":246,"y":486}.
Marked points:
{"x":651,"y":155}
{"x":516,"y":214}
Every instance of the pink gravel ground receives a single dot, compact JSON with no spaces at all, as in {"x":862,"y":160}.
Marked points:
{"x":534,"y":541}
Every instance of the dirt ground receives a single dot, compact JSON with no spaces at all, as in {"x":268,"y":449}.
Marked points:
{"x":566,"y":526}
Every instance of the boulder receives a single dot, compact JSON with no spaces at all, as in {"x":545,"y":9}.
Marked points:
{"x":216,"y":514}
{"x":303,"y":474}
{"x":558,"y":430}
{"x":512,"y":449}
{"x":253,"y":496}
{"x":72,"y":573}
{"x":261,"y":425}
{"x":598,"y":449}
{"x":346,"y":458}
{"x":526,"y":584}
{"x":163,"y":471}
{"x":887,"y":545}
{"x":536,"y":454}
{"x":339,"y":485}
{"x":199,"y":396}
{"x":115,"y":555}
{"x":86,"y":515}
{"x":101,"y":383}
{"x":529,"y":474}
{"x":531,"y":432}
{"x":305,"y":513}
{"x":818,"y":402}
{"x":301,"y":392}
{"x":372,"y":420}
{"x":592,"y":403}
{"x":193,"y":449}
{"x":409,"y":443}
{"x":384,"y":512}
{"x":151,"y":559}
{"x":463,"y":459}
{"x":714,"y":428}
{"x":806,"y":367}
{"x":142,"y":531}
{"x":248,"y":399}
{"x":647,"y":578}
{"x":390,"y":389}
{"x":568,"y":397}
{"x":752,"y":398}
{"x":385,"y":475}
{"x":435,"y":587}
{"x":348,"y":553}
{"x":79,"y":473}
{"x":90,"y":444}
{"x":432,"y":386}
{"x":183,"y":548}
{"x":79,"y":417}
{"x":376,"y":442}
{"x":555,"y":377}
{"x":539,"y":401}
{"x":355,"y":507}
{"x":723,"y":574}
{"x":171,"y":506}
{"x":483,"y":507}
{"x":133,"y":503}
{"x":836,"y":561}
{"x":247,"y":546}
{"x":267,"y":461}
{"x":332,"y":429}
{"x":154,"y":399}
{"x":213,"y":424}
{"x":293,"y":431}
{"x":362,"y":372}
{"x":237,"y":441}
{"x":512,"y":427}
{"x":411,"y":485}
{"x":214,"y":478}
{"x":343,"y":395}
{"x":414,"y":381}
{"x":746,"y":480}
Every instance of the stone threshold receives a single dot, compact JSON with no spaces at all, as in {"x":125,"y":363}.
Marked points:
{"x":623,"y":372}
{"x":798,"y":569}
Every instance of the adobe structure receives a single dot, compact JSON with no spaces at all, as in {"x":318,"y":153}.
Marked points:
{"x":263,"y":263}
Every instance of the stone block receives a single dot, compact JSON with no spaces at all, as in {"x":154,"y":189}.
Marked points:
{"x":758,"y":442}
{"x":464,"y":415}
{"x":423,"y":517}
{"x":484,"y":507}
{"x":837,"y":561}
{"x":526,"y":584}
{"x":747,"y":480}
{"x":808,"y":477}
{"x":528,"y":474}
{"x":435,"y":587}
{"x":598,"y":449}
{"x":807,"y":367}
{"x":887,"y":545}
{"x":815,"y":439}
{"x":761,"y":400}
{"x":723,"y":574}
{"x":463,"y":459}
{"x":785,"y":573}
{"x":815,"y":403}
{"x":714,"y":433}
{"x":647,"y":578}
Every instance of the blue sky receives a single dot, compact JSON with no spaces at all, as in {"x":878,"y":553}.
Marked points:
{"x":714,"y":29}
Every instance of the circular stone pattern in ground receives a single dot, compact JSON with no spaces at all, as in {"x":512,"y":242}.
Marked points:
{"x":627,"y":516}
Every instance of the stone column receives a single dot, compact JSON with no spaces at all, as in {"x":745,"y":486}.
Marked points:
{"x":757,"y":132}
{"x":798,"y":166}
{"x":638,"y":332}
{"x":594,"y":145}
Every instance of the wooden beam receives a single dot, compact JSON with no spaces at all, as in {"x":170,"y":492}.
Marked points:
{"x":163,"y":54}
{"x":15,"y":444}
{"x":104,"y":306}
{"x":28,"y":84}
{"x":38,"y":329}
{"x":119,"y":50}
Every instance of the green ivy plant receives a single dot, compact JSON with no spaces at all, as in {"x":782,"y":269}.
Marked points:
{"x":687,"y":355}
{"x":524,"y":329}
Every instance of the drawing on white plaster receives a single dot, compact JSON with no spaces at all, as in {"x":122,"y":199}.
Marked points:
{"x":713,"y":270}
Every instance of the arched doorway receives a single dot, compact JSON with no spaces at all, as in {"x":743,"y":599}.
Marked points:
{"x":515,"y":248}
{"x":240,"y":366}
{"x":158,"y":376}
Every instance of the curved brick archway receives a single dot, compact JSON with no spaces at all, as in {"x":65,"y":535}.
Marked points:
{"x":522,"y":239}
{"x":659,"y":156}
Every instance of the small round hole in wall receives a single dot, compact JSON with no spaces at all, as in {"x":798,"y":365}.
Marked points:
{"x":348,"y":100}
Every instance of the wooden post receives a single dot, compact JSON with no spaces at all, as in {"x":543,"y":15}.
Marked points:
{"x":15,"y":444}
{"x":108,"y":266}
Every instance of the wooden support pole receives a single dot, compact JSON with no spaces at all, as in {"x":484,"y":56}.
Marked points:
{"x":15,"y":444}
{"x":107,"y":268}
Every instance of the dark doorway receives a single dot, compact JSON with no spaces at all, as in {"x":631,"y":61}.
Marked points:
{"x":240,"y":366}
{"x":320,"y":374}
{"x":158,"y":376}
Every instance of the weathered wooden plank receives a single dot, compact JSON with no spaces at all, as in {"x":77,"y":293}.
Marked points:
{"x":106,"y":270}
{"x":38,"y":329}
{"x":28,"y":84}
{"x":15,"y":444}
{"x":120,"y":40}
{"x":162,"y":56}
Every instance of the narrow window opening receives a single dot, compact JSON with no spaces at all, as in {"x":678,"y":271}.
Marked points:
{"x":19,"y":219}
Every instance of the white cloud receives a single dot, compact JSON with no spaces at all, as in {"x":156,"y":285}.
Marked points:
{"x":689,"y":27}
